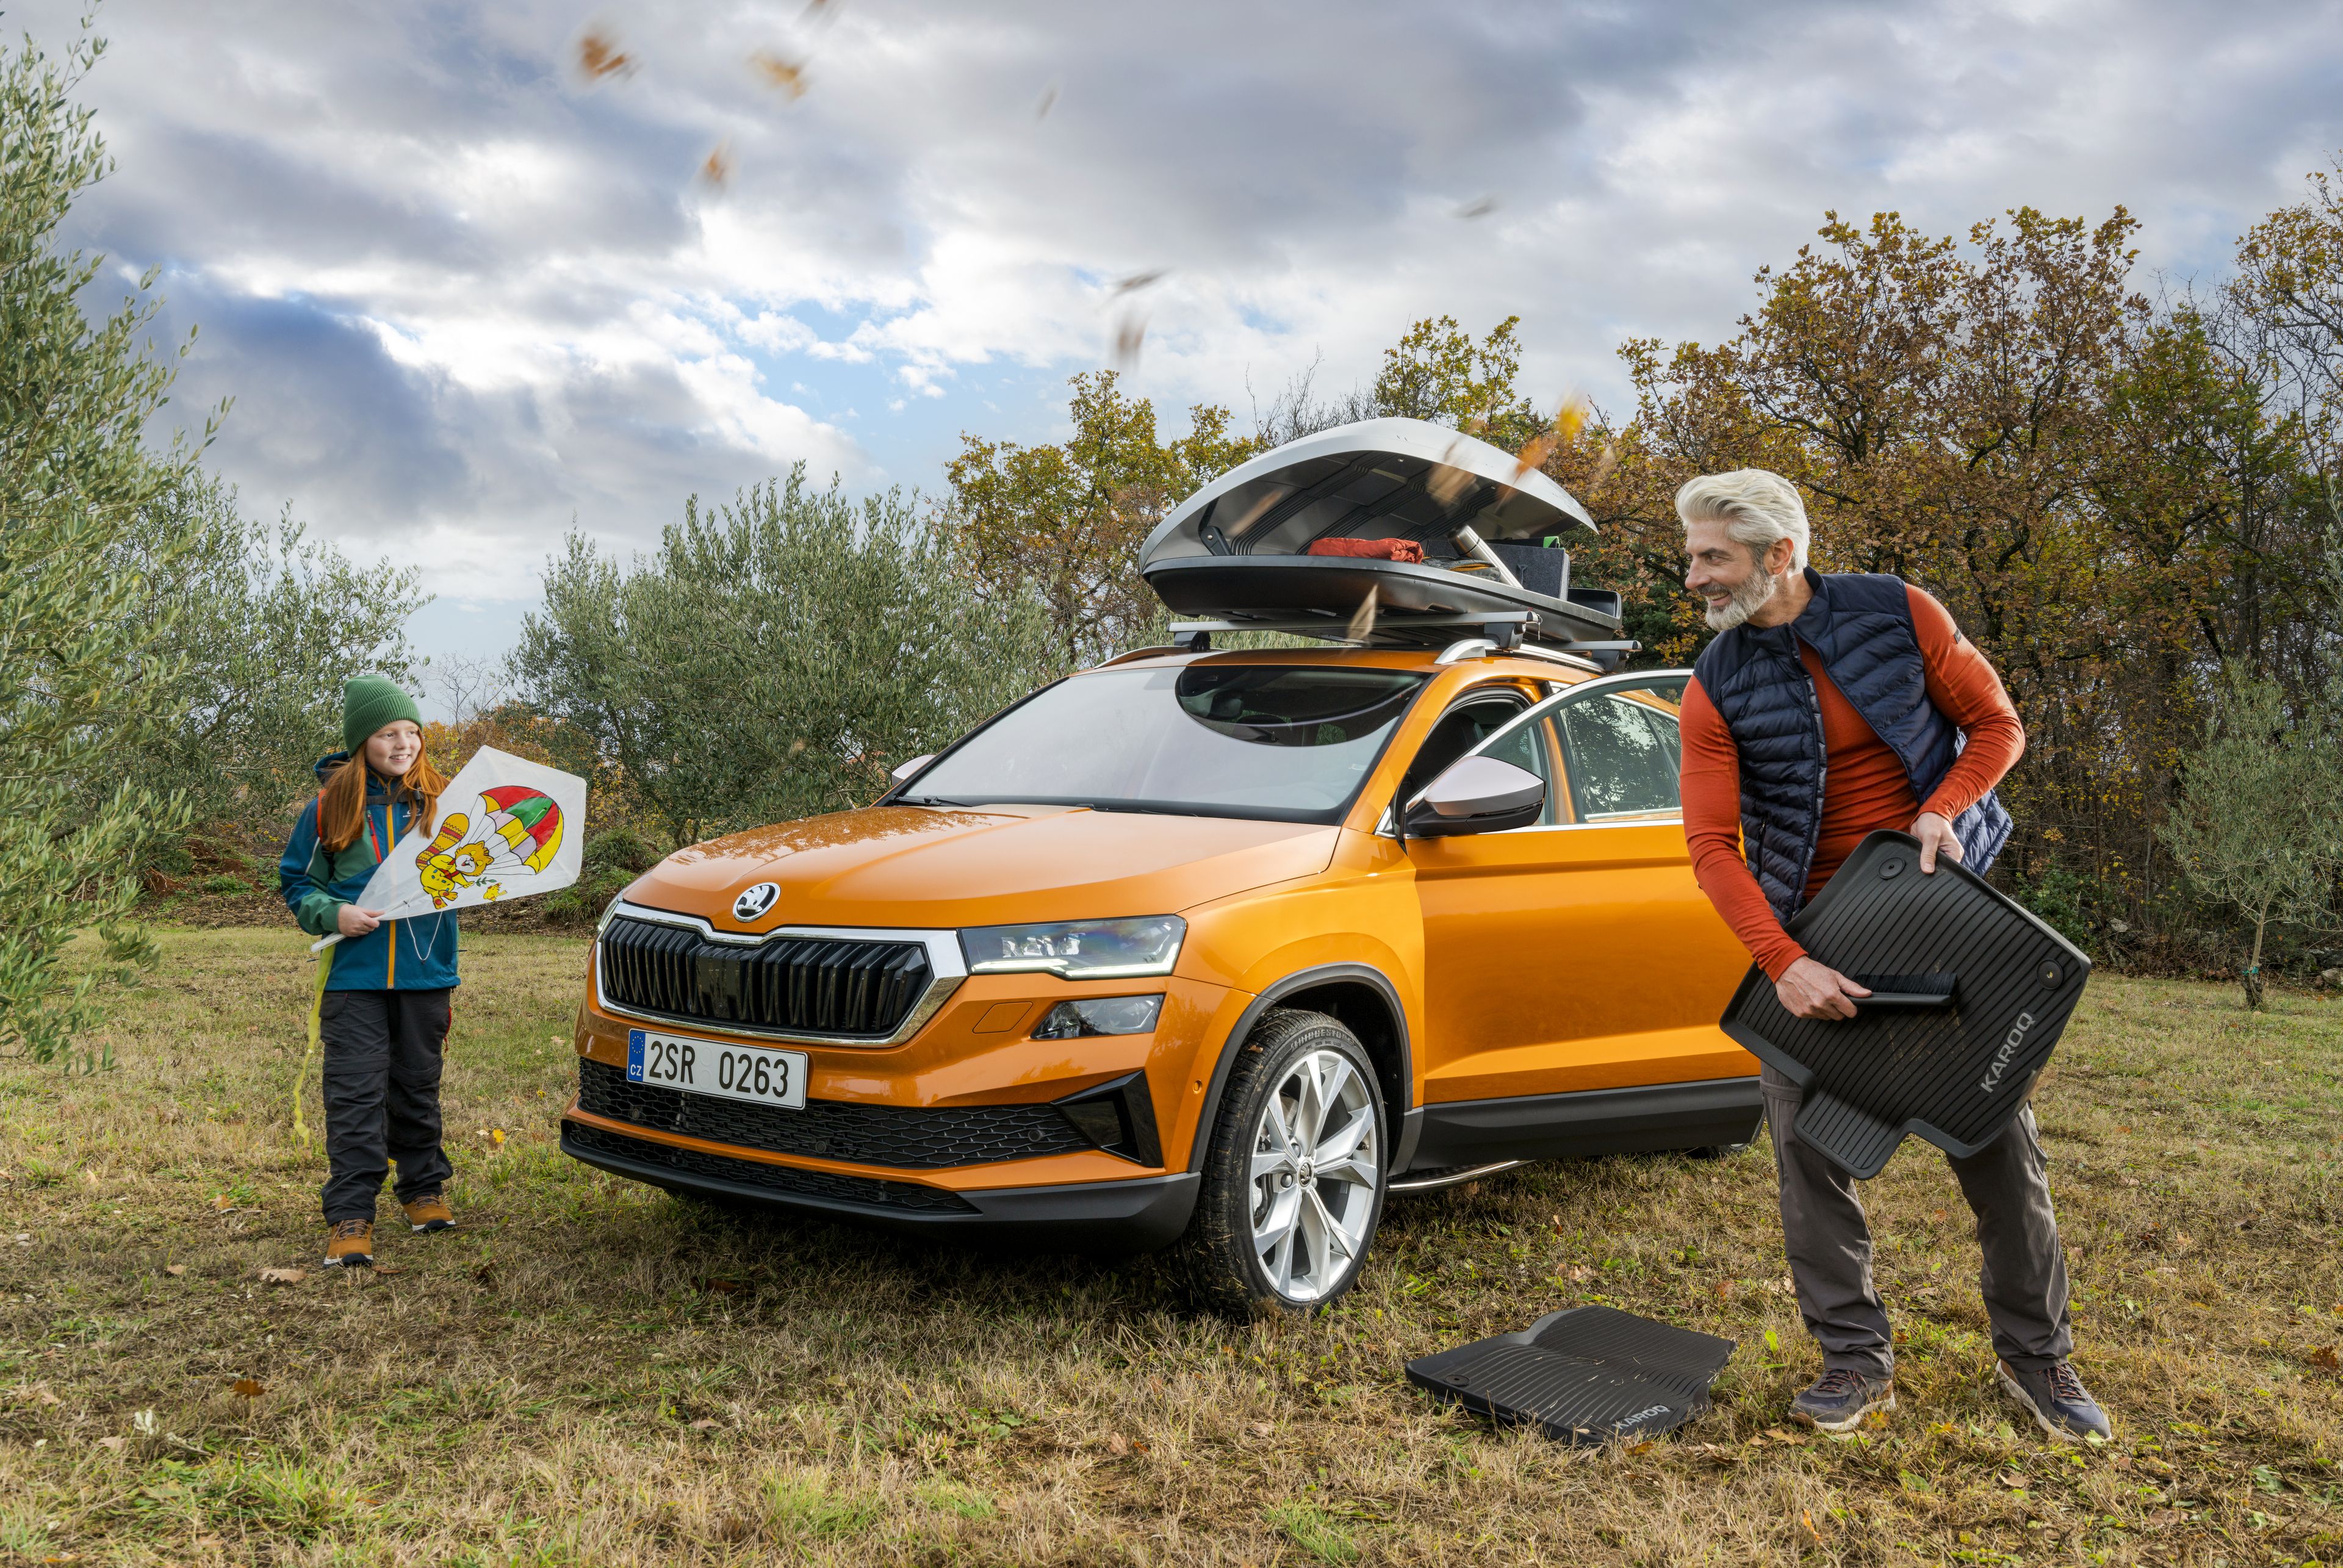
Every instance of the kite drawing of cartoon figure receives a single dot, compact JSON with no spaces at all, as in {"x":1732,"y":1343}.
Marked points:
{"x":518,"y":832}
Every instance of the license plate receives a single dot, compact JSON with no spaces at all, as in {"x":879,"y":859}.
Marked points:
{"x":776,"y":1077}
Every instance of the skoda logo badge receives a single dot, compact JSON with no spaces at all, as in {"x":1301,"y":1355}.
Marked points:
{"x":752,"y":904}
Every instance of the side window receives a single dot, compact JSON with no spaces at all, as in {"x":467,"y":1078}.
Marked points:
{"x":1461,"y":728}
{"x":1526,"y":746}
{"x":1622,"y":748}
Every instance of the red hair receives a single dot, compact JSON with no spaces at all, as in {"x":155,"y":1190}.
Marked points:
{"x":341,"y":804}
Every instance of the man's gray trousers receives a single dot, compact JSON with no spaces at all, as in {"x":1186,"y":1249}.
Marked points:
{"x":1829,"y":1242}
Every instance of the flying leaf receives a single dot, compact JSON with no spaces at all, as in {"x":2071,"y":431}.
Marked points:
{"x":1572,"y":416}
{"x":1451,"y":481}
{"x":1480,"y":207}
{"x":250,"y":1387}
{"x":718,"y":169}
{"x":1129,"y":334}
{"x":1606,"y":460}
{"x":1048,"y":101}
{"x":600,"y":57}
{"x":1138,"y":280}
{"x":781,"y":72}
{"x":1362,"y":619}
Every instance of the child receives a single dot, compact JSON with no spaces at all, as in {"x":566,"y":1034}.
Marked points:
{"x":384,"y":990}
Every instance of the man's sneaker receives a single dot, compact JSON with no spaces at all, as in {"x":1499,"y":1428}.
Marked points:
{"x":1841,"y":1398}
{"x":2056,"y":1399}
{"x":430,"y":1213}
{"x":350,"y":1245}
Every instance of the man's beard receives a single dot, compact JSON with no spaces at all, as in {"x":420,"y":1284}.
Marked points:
{"x":1757,"y":590}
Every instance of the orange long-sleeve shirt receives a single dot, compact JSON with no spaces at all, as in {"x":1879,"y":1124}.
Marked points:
{"x":1864,"y":787}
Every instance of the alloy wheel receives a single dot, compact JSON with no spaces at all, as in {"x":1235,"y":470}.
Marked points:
{"x":1316,"y":1167}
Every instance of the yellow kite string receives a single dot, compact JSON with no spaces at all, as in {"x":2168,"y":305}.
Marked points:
{"x":316,"y":1018}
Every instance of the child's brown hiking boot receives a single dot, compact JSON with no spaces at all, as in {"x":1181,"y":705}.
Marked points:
{"x":429,"y":1211}
{"x":350,"y":1244}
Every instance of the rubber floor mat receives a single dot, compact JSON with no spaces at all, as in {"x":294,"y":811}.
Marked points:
{"x":1974,"y":992}
{"x":1584,"y":1375}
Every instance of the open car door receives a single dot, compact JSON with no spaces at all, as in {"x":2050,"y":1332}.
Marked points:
{"x":1573,"y":969}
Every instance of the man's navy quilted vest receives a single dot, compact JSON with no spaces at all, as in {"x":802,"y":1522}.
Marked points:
{"x":1861,"y":625}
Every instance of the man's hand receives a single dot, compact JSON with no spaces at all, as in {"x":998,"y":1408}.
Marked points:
{"x":353,"y":922}
{"x":1935,"y":831}
{"x":1811,"y":989}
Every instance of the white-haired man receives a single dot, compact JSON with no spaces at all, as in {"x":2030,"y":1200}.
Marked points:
{"x":1829,"y":708}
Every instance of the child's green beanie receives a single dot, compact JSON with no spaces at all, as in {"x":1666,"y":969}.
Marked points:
{"x":369,"y":702}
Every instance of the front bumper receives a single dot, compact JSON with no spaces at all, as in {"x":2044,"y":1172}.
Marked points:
{"x":1134,"y":1215}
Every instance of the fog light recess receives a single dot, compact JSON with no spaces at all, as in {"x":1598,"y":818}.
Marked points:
{"x":1101,"y":1015}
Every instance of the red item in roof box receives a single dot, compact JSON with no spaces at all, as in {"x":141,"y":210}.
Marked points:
{"x":1403,"y":551}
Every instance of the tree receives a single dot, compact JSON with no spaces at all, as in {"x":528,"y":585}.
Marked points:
{"x":2259,"y":825}
{"x":259,"y":626}
{"x":2289,"y":282}
{"x":1065,"y":523}
{"x":83,"y":678}
{"x":776,"y":657}
{"x":1436,"y":372}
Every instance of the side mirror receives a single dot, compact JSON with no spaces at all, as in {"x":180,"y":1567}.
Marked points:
{"x":905,"y":770}
{"x":1478,"y":795}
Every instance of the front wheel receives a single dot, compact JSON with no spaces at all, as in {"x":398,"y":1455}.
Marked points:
{"x":1293,"y":1180}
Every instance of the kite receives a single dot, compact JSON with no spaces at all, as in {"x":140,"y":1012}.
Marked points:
{"x":508,"y":828}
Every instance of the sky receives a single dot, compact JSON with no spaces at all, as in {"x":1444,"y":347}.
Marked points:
{"x":469,"y":296}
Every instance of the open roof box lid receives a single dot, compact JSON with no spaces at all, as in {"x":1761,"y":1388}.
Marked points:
{"x":1239,"y":547}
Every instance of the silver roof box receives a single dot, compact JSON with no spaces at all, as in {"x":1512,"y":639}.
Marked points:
{"x":1239,"y":547}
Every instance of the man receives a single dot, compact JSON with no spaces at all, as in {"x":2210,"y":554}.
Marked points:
{"x":1829,"y":708}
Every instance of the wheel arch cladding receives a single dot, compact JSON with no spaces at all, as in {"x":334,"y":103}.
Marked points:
{"x":1359,"y":997}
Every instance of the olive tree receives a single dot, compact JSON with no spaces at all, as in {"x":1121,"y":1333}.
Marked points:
{"x":2259,"y":822}
{"x":777,"y":655}
{"x":83,"y":678}
{"x":259,"y":625}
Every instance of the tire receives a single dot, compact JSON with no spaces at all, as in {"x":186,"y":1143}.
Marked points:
{"x":1283,"y":1224}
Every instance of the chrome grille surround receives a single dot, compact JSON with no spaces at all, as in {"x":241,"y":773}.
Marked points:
{"x":946,"y":969}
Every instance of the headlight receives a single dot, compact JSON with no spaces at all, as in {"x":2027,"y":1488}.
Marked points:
{"x":1078,"y":949}
{"x":1101,"y":1015}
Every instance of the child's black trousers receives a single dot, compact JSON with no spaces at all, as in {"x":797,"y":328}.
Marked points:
{"x":382,"y":1096}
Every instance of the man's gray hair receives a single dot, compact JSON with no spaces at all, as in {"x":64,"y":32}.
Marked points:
{"x":1755,"y":507}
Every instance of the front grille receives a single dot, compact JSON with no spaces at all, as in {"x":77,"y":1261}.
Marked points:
{"x":781,"y":1179}
{"x":794,"y":985}
{"x":912,"y":1138}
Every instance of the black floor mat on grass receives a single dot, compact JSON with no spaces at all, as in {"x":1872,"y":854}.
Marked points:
{"x":1585,"y":1375}
{"x":1975,"y":991}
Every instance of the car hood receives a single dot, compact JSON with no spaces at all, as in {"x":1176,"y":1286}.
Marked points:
{"x":905,"y":866}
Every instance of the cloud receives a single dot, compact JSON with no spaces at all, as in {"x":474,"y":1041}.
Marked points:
{"x":464,"y":296}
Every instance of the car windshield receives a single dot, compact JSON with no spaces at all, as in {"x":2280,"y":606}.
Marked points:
{"x":1279,"y":742}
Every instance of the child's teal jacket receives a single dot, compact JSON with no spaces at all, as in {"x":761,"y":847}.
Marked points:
{"x":417,"y":954}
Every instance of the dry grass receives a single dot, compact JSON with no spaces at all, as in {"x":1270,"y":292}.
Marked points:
{"x":593,"y":1373}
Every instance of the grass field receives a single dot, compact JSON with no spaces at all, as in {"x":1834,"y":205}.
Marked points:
{"x":593,"y":1373}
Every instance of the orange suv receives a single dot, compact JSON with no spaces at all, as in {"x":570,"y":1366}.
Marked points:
{"x":1217,"y":948}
